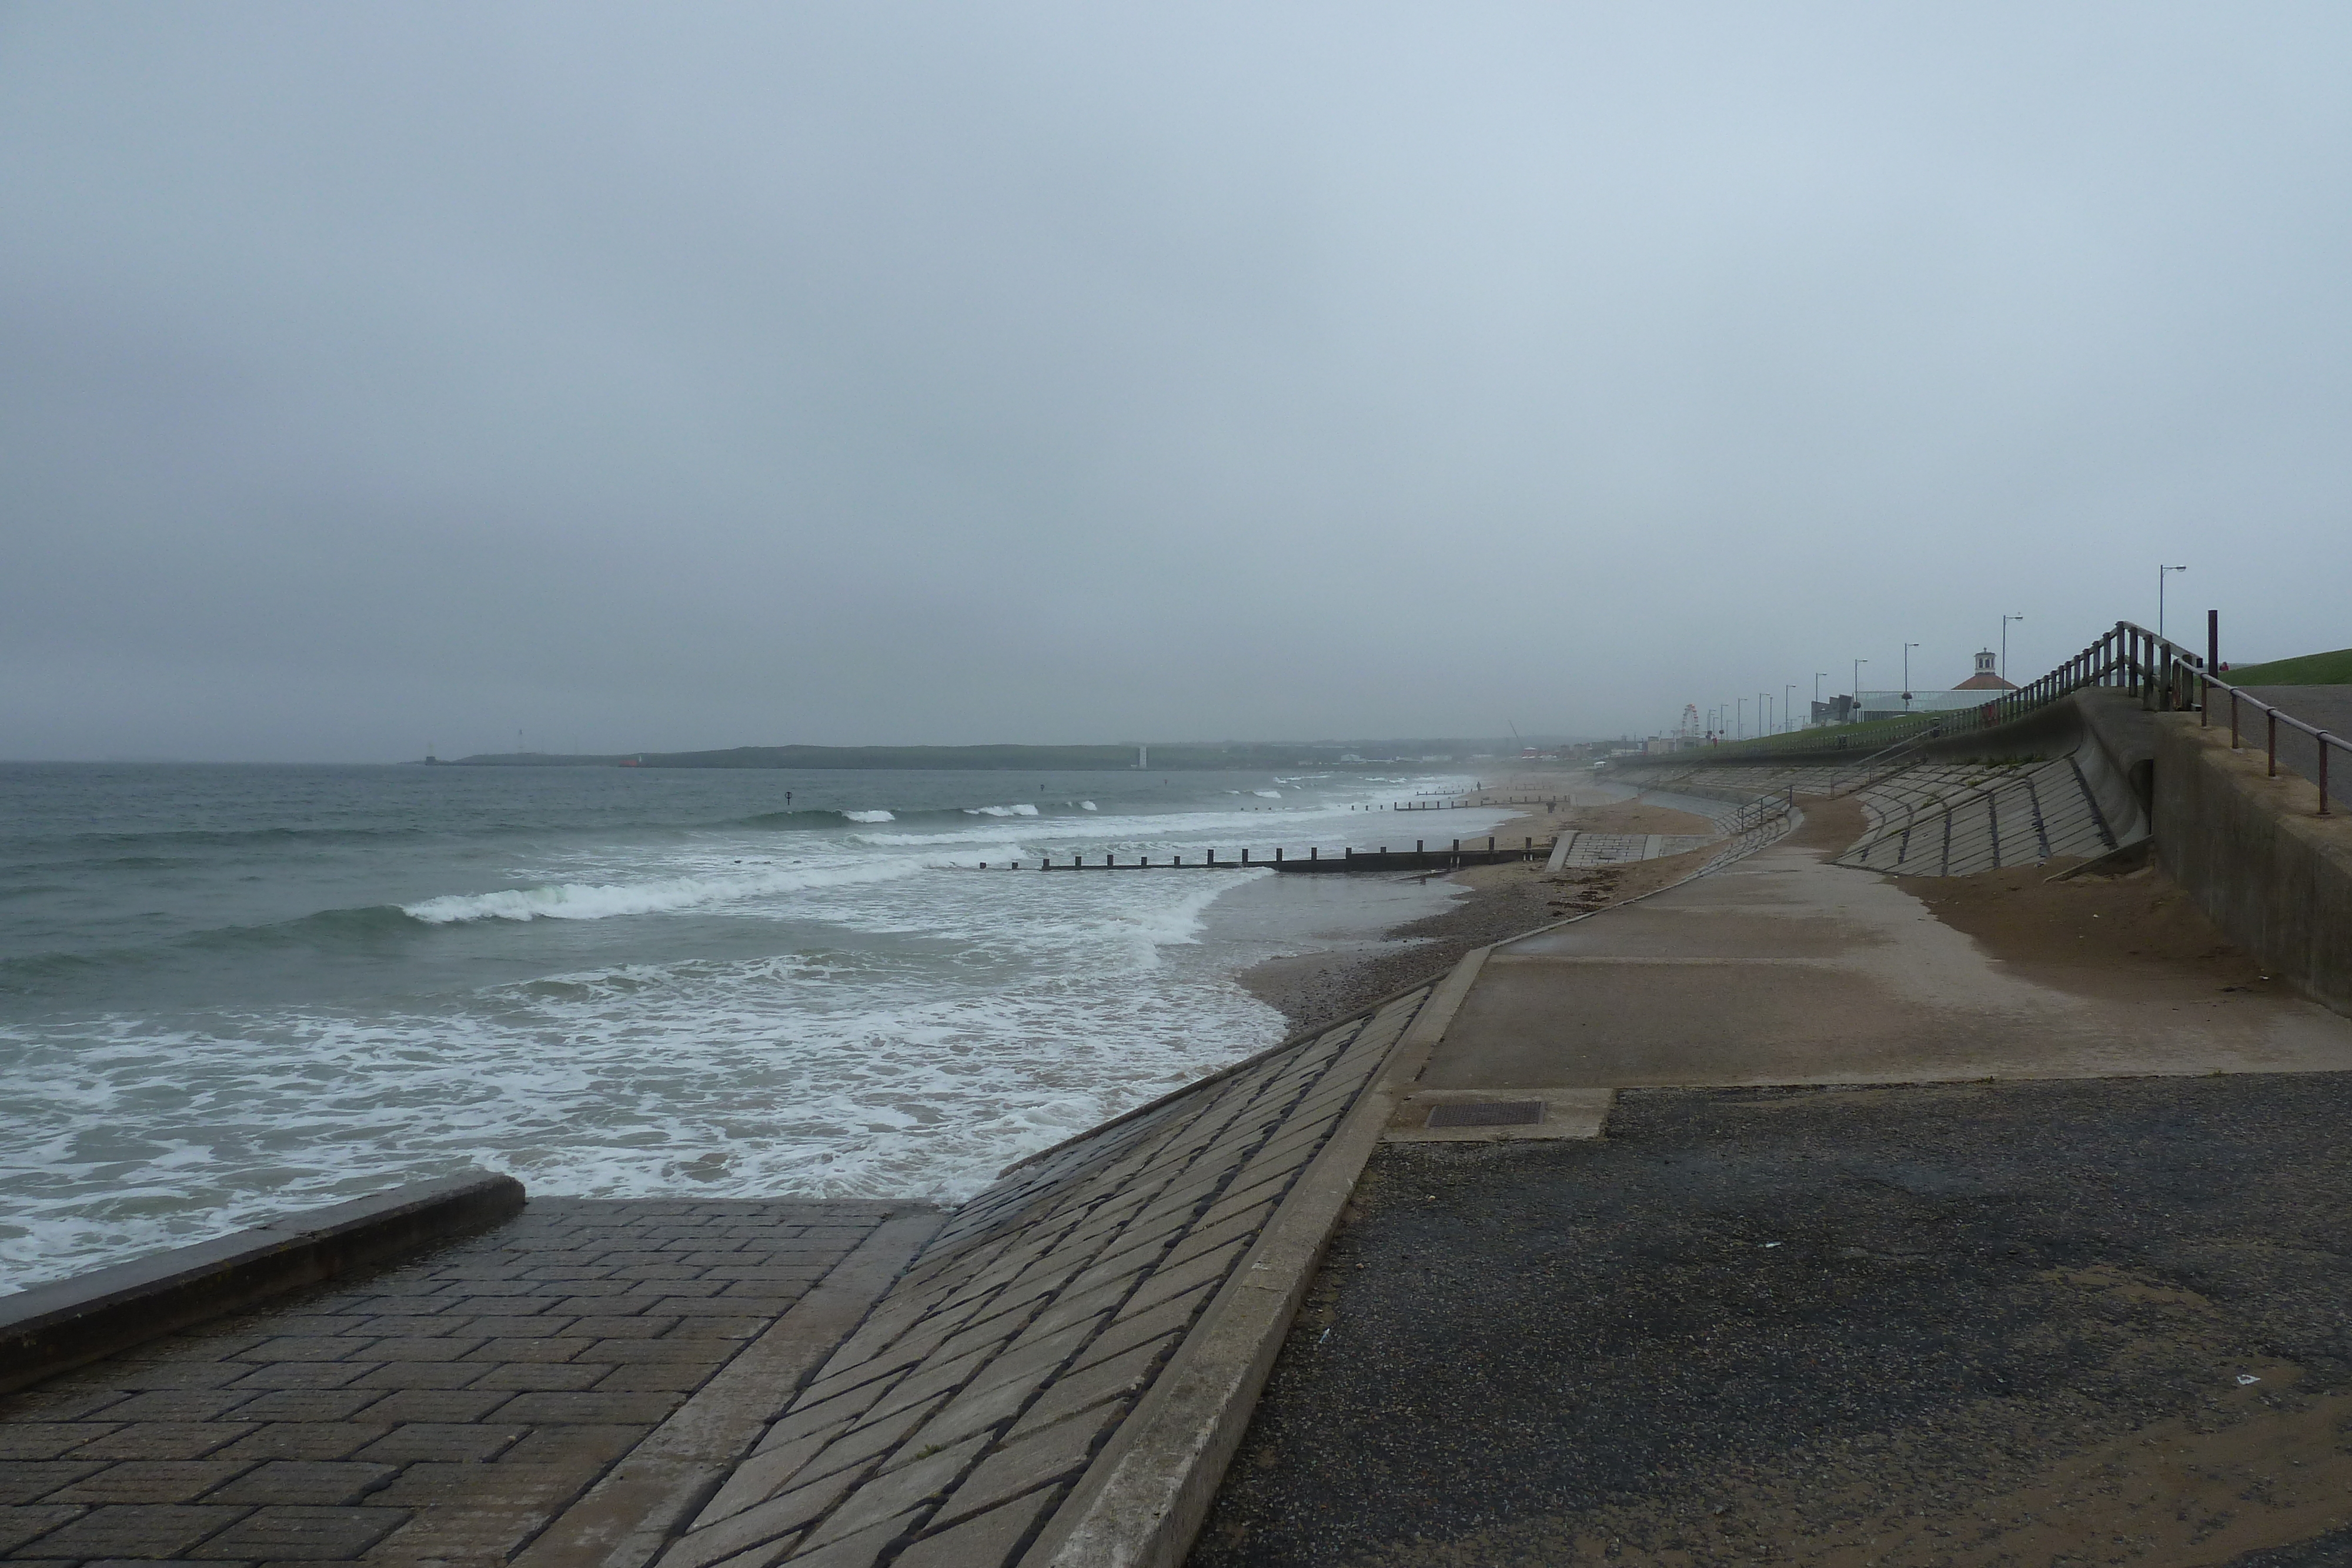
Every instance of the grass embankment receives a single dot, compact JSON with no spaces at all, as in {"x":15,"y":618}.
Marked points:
{"x":2310,"y":670}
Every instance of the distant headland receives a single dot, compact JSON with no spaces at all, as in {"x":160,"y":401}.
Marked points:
{"x":1236,"y":756}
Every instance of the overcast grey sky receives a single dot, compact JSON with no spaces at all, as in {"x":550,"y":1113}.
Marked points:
{"x":674,"y":376}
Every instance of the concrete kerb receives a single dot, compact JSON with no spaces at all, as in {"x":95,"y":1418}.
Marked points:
{"x":54,"y":1327}
{"x":1142,"y":1500}
{"x":632,"y":1513}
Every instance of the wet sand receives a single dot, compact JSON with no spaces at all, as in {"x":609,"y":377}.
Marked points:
{"x":1500,"y":901}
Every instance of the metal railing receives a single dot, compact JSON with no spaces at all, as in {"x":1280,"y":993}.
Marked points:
{"x":2165,"y":668}
{"x":2165,"y":677}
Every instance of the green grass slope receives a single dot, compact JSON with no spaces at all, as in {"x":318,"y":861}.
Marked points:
{"x":2311,"y":670}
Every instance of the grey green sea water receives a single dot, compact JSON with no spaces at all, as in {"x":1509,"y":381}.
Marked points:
{"x":227,"y":992}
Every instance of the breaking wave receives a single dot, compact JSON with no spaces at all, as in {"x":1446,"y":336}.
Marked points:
{"x":602,"y":901}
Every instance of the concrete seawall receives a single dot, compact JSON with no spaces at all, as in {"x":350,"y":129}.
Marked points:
{"x":2273,"y":876}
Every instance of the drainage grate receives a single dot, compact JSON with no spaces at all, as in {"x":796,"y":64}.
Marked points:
{"x":1488,"y":1113}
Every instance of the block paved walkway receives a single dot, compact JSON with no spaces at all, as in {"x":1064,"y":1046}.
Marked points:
{"x":444,"y":1410}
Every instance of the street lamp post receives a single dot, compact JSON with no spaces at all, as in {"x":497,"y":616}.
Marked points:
{"x":1819,"y":677}
{"x":1858,"y":664}
{"x":1906,"y":676}
{"x":2161,"y":573}
{"x":2004,"y":641}
{"x":1742,"y":732}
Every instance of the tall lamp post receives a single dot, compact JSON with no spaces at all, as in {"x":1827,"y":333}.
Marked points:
{"x":1741,"y":720}
{"x":2004,"y":641}
{"x":2161,"y":573}
{"x":1787,"y":704}
{"x":1819,"y":677}
{"x":1906,"y":676}
{"x":1858,"y":664}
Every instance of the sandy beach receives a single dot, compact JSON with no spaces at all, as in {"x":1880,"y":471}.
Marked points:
{"x":1500,"y":901}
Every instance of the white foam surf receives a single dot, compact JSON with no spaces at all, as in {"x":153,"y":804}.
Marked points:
{"x":603,"y":901}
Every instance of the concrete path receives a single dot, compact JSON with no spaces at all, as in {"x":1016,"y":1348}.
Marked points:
{"x":1803,"y":1236}
{"x":1786,"y":968}
{"x":457,"y":1406}
{"x":2330,"y":707}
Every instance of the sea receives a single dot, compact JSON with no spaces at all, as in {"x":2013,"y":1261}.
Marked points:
{"x":230,"y":992}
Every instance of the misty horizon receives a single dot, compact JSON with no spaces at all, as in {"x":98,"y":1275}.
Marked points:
{"x":374,"y":376}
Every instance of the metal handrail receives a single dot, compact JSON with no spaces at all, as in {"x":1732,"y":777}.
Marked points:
{"x":2159,"y":669}
{"x":2162,"y":667}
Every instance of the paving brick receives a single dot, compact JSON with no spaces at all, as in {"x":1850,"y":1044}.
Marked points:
{"x":144,"y":1530}
{"x":326,"y":1484}
{"x":1129,"y":1329}
{"x":305,"y":1347}
{"x":541,"y":1376}
{"x":645,"y":1326}
{"x":895,"y":1492}
{"x":829,"y":1416}
{"x":299,"y":1373}
{"x":308,"y":1404}
{"x":925,"y":1383}
{"x":655,"y":1378}
{"x":713,"y":1327}
{"x":1059,"y":1452}
{"x":506,"y":1325}
{"x":1082,"y":1390}
{"x":171,"y":1405}
{"x":434,"y":1405}
{"x":759,"y":1476}
{"x":985,"y":1540}
{"x":164,"y":1440}
{"x":70,"y":1399}
{"x":855,"y":1551}
{"x":421,"y":1374}
{"x":595,"y":1409}
{"x":617,"y":1352}
{"x":150,"y":1480}
{"x":307,"y":1440}
{"x":182,"y":1375}
{"x":449,"y":1347}
{"x":18,"y":1525}
{"x":408,"y":1324}
{"x":873,"y":1439}
{"x":550,"y":1347}
{"x":443,"y":1440}
{"x":47,"y":1439}
{"x":779,"y":1519}
{"x":559,"y":1445}
{"x":434,"y":1484}
{"x":1078,"y":1307}
{"x":304,"y":1533}
{"x":28,"y":1480}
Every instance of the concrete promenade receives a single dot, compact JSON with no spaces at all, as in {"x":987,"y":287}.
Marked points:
{"x":1796,"y":1212}
{"x":1898,"y":1245}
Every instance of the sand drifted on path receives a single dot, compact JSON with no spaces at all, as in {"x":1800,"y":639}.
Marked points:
{"x":2098,"y":936}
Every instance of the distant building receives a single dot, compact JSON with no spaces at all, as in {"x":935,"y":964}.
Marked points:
{"x":1986,"y":678}
{"x":1837,"y":710}
{"x":1977,"y":690}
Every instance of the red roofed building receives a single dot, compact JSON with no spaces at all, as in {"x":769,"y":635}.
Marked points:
{"x":1986,"y":678}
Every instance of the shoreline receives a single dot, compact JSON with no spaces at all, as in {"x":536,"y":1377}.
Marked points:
{"x":1498,"y":902}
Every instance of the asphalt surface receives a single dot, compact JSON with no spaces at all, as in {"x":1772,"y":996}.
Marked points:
{"x":2330,"y":707}
{"x":2072,"y":1322}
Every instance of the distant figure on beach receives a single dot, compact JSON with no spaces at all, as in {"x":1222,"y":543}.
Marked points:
{"x":787,"y":797}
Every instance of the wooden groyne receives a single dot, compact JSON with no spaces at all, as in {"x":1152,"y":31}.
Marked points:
{"x":1421,"y":857}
